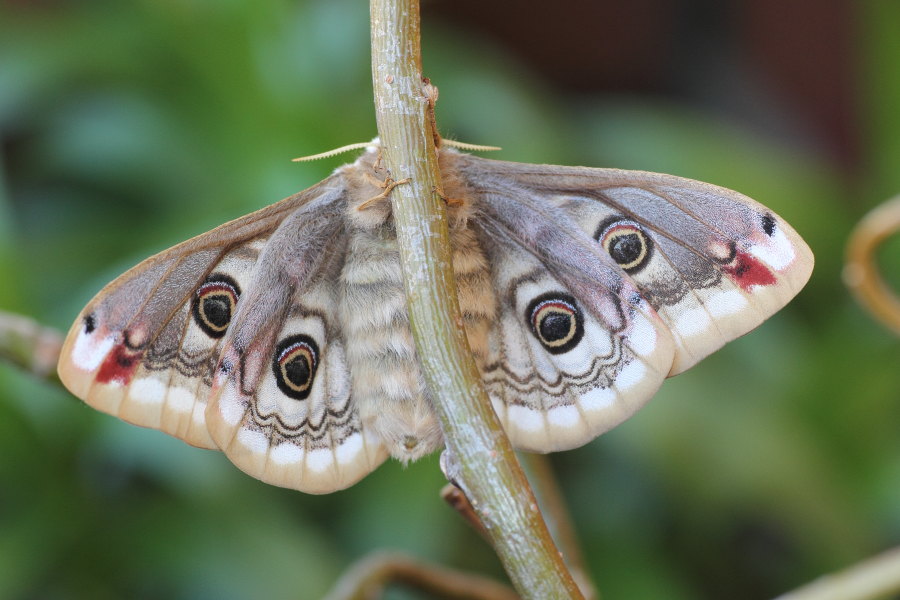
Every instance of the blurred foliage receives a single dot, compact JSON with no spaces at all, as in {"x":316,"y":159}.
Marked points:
{"x":129,"y":126}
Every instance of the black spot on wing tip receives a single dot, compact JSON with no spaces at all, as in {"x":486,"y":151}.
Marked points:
{"x":90,"y":323}
{"x":768,"y":224}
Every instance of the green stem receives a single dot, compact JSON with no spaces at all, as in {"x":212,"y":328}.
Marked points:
{"x":481,"y":459}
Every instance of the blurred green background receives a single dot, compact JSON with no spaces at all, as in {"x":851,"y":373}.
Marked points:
{"x":127,"y":126}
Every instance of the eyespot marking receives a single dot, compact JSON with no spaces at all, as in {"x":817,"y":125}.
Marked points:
{"x":294,"y":365}
{"x":626,"y":242}
{"x":556,"y":321}
{"x":135,"y":338}
{"x":214,"y":304}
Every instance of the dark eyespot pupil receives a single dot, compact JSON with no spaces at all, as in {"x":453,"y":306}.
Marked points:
{"x":294,"y":365}
{"x":555,"y":326}
{"x":297,"y":371}
{"x":217,"y":310}
{"x":626,"y":248}
{"x":555,"y":321}
{"x":90,"y":324}
{"x":214,"y":303}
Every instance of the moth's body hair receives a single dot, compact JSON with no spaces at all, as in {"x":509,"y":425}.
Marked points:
{"x":387,"y":379}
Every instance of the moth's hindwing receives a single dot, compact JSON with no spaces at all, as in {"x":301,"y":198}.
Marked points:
{"x":283,"y":405}
{"x":564,"y":368}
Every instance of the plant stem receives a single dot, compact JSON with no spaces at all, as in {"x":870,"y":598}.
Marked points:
{"x":482,"y":462}
{"x":875,"y":577}
{"x":553,"y":506}
{"x":28,"y":344}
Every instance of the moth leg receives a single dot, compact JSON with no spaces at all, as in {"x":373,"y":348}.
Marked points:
{"x":450,"y":202}
{"x":377,"y":164}
{"x":388,"y":184}
{"x":431,"y":96}
{"x":375,"y":181}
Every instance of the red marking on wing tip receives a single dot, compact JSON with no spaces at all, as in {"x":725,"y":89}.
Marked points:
{"x":747,"y":271}
{"x":118,"y":366}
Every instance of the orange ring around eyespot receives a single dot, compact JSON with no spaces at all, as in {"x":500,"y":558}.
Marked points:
{"x":548,"y":305}
{"x":554,"y":307}
{"x":296,"y":347}
{"x":616,"y":227}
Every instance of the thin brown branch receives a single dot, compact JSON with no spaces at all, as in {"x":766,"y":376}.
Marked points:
{"x":368,"y":578}
{"x":457,"y":500}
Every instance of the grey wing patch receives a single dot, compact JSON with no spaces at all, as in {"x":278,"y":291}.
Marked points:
{"x":145,"y":348}
{"x":712,"y":262}
{"x":283,"y":409}
{"x":711,"y":279}
{"x":575,"y":348}
{"x":282,"y":405}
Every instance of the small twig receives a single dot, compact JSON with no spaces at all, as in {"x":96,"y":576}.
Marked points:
{"x":874,"y":577}
{"x":29,"y":345}
{"x":553,"y":506}
{"x":367,"y":579}
{"x":457,"y":500}
{"x":431,"y":95}
{"x":861,"y":271}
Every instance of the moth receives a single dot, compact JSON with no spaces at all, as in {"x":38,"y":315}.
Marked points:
{"x":282,"y":338}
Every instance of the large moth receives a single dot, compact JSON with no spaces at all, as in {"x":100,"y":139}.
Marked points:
{"x":282,"y":338}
